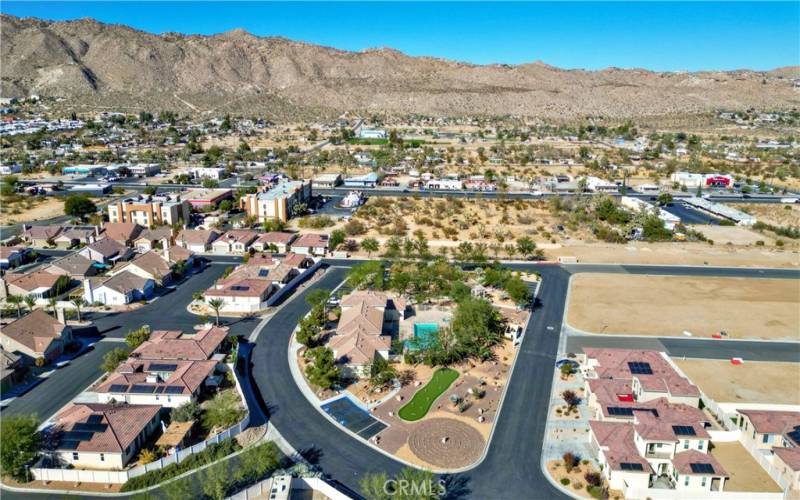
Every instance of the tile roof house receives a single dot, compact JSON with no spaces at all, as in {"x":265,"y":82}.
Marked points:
{"x":12,"y":256}
{"x":41,"y":236}
{"x":765,"y":429}
{"x":278,"y":241}
{"x":360,"y":334}
{"x":662,"y":440}
{"x":103,"y":436}
{"x":39,"y":284}
{"x":36,"y":335}
{"x":311,"y":244}
{"x":71,"y":237}
{"x":106,"y":251}
{"x":11,"y":369}
{"x":196,"y":240}
{"x":149,"y":265}
{"x":234,"y":242}
{"x":650,"y":374}
{"x":787,"y":461}
{"x":174,"y":345}
{"x":148,"y":237}
{"x":159,"y":382}
{"x":73,"y":265}
{"x":123,"y":233}
{"x":119,"y":289}
{"x":242,"y":294}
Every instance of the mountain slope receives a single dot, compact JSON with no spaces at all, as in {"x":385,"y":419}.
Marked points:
{"x":98,"y":64}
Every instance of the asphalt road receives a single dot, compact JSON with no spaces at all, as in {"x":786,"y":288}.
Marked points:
{"x":690,"y":215}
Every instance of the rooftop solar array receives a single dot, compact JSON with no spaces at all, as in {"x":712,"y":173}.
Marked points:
{"x":631,"y":466}
{"x":683,"y":430}
{"x":240,"y":288}
{"x":94,"y":419}
{"x":173,"y":389}
{"x":263,"y":273}
{"x":118,"y":388}
{"x":640,"y":368}
{"x":143,"y":389}
{"x":620,"y":411}
{"x":163,"y":367}
{"x":87,"y":427}
{"x":795,"y":435}
{"x":702,"y":468}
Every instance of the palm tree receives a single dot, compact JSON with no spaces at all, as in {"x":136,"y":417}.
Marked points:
{"x":30,"y":301}
{"x":17,"y":301}
{"x":52,"y":301}
{"x":78,"y":302}
{"x":216,"y":305}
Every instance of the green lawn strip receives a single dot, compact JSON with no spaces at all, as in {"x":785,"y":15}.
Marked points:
{"x":423,"y":400}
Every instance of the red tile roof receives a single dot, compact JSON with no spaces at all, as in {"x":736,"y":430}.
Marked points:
{"x":790,"y":456}
{"x":613,"y":363}
{"x":683,"y":463}
{"x":772,"y":422}
{"x":164,"y":344}
{"x":617,"y":438}
{"x":188,"y":375}
{"x":35,"y":330}
{"x":123,"y":423}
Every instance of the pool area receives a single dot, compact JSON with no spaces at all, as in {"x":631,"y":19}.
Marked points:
{"x":345,"y":411}
{"x":425,"y":334}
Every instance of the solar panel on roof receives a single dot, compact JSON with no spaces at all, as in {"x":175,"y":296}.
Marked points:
{"x":142,"y":389}
{"x":702,"y":468}
{"x":795,"y":435}
{"x":173,"y":389}
{"x":683,"y":430}
{"x":118,"y":388}
{"x":620,"y":411}
{"x":163,"y":367}
{"x":77,"y":435}
{"x":263,"y":273}
{"x":159,"y":389}
{"x":240,"y":288}
{"x":640,"y":368}
{"x":631,"y":466}
{"x":69,"y":445}
{"x":87,"y":427}
{"x":94,"y":419}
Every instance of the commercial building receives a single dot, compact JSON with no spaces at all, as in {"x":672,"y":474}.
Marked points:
{"x":692,"y":180}
{"x":149,"y":211}
{"x":638,"y":205}
{"x":371,"y":133}
{"x":277,"y":203}
{"x":369,"y":180}
{"x":326,"y":181}
{"x":204,"y":198}
{"x":214,"y":173}
{"x":718,"y":209}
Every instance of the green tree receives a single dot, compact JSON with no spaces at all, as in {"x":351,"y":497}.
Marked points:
{"x":374,"y":486}
{"x":370,"y":245}
{"x":135,"y":338}
{"x":225,"y":205}
{"x":150,"y":190}
{"x":30,"y":301}
{"x":526,"y":246}
{"x":113,"y":358}
{"x":20,"y":444}
{"x":78,"y":205}
{"x":16,"y":300}
{"x":317,"y":297}
{"x":78,"y":302}
{"x":216,"y":305}
{"x":337,"y":238}
{"x":664,"y":199}
{"x":216,"y":481}
{"x":322,"y":370}
{"x":256,"y":462}
{"x":179,"y":489}
{"x":222,"y":411}
{"x":187,"y":412}
{"x":210,"y":183}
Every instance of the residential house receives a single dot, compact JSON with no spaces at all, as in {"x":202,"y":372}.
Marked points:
{"x":106,"y":251}
{"x":360,"y":336}
{"x":149,"y":239}
{"x":174,"y":345}
{"x":311,"y":244}
{"x":279,"y":202}
{"x":273,"y":241}
{"x":11,"y":257}
{"x":167,"y":383}
{"x":149,"y":265}
{"x":123,"y":233}
{"x":175,"y":254}
{"x":41,"y":236}
{"x":119,"y":289}
{"x":36,"y":335}
{"x":664,"y":445}
{"x":103,"y":436}
{"x":241,"y":295}
{"x":74,"y":265}
{"x":72,"y":237}
{"x":236,"y":241}
{"x":39,"y":284}
{"x":765,"y":429}
{"x":12,"y":370}
{"x":787,"y":461}
{"x":196,"y":240}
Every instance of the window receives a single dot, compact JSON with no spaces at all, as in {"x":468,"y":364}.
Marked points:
{"x":700,"y":445}
{"x":765,"y":439}
{"x":703,"y":483}
{"x":102,"y":457}
{"x":685,"y":444}
{"x":686,"y":480}
{"x":74,"y":455}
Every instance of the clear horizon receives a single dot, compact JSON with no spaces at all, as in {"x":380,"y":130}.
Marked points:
{"x":676,"y":36}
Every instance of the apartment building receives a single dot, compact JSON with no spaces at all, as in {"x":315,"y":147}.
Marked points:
{"x":149,"y":211}
{"x":277,"y":203}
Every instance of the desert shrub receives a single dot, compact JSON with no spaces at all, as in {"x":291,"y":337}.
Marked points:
{"x":564,"y":481}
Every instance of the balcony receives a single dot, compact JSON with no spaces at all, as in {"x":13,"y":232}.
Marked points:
{"x":664,"y":455}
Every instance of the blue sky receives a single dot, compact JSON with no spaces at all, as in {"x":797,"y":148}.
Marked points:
{"x":592,"y":35}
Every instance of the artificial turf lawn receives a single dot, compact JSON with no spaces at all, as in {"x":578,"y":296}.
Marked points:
{"x":421,"y":402}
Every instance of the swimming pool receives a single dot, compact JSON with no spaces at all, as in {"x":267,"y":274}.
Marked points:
{"x":425,"y":334}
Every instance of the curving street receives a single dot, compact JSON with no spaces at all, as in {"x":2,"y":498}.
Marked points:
{"x":511,"y":467}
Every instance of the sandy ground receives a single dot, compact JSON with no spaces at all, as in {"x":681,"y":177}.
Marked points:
{"x":577,"y":484}
{"x":670,"y":305}
{"x":66,"y":485}
{"x":780,"y":215}
{"x":745,"y":473}
{"x":733,"y":235}
{"x":751,"y":382}
{"x":50,"y":207}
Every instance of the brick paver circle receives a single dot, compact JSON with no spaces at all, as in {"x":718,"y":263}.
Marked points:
{"x":446,"y":443}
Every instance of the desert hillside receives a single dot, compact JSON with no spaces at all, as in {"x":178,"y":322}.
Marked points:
{"x":98,"y":65}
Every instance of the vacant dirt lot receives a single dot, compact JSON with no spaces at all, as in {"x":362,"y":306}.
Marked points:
{"x":779,"y":215}
{"x":669,"y":305}
{"x":751,"y":382}
{"x":733,"y":235}
{"x":745,"y":473}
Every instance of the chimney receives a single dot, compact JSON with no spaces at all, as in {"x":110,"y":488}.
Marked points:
{"x":60,"y":316}
{"x":3,"y":288}
{"x":88,"y":291}
{"x":165,"y":246}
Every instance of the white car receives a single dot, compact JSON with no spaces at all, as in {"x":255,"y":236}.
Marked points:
{"x":537,"y":194}
{"x":790,"y":200}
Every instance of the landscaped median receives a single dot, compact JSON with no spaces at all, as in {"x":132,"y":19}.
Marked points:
{"x":423,"y":400}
